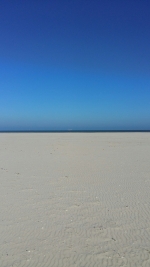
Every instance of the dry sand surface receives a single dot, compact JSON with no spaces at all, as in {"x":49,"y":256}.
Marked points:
{"x":74,"y":199}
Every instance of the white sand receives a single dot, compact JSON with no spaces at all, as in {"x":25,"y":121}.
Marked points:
{"x":74,"y":199}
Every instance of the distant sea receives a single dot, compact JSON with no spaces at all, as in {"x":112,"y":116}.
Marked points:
{"x":76,"y":131}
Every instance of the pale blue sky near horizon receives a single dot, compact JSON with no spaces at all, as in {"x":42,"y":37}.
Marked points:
{"x":81,"y":65}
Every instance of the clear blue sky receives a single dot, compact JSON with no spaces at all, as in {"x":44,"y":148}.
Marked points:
{"x":75,"y":64}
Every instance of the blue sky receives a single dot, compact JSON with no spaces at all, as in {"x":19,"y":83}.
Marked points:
{"x":81,"y":65}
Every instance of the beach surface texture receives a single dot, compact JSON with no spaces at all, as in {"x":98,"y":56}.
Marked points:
{"x":74,"y":199}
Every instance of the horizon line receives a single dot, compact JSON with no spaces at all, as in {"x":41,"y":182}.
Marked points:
{"x":68,"y":131}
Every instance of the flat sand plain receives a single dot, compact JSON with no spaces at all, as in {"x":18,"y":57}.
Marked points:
{"x":74,"y":199}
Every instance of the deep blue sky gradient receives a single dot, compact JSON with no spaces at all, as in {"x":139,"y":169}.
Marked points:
{"x":75,"y":65}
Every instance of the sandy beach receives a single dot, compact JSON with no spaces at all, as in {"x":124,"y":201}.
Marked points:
{"x":74,"y":199}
